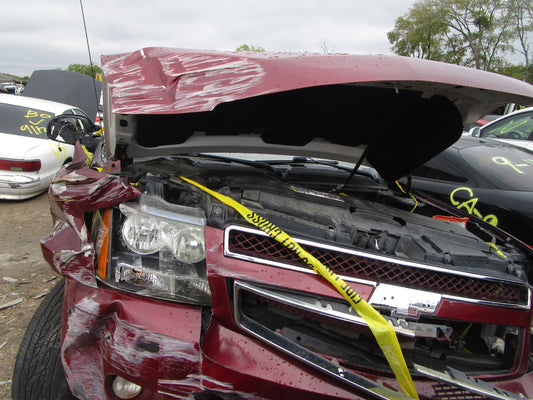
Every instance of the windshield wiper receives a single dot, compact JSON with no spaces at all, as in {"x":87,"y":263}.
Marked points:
{"x":251,"y":163}
{"x":269,"y":165}
{"x":362,"y":170}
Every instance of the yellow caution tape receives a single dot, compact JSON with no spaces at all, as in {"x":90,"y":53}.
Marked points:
{"x":88,"y":154}
{"x":496,"y":249}
{"x":404,"y":192}
{"x":382,"y":330}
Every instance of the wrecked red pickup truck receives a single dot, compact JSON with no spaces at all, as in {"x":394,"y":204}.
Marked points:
{"x":240,"y":233}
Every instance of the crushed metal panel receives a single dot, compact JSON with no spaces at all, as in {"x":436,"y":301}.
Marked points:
{"x":74,"y":191}
{"x":101,"y":330}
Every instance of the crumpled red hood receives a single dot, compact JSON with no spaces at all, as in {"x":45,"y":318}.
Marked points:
{"x":162,"y":101}
{"x":165,"y":80}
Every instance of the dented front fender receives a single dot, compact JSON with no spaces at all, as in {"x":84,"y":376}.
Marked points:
{"x":75,"y":191}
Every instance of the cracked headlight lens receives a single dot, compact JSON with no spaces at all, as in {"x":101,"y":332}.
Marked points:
{"x":158,"y":250}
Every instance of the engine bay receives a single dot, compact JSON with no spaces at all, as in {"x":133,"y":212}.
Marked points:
{"x":302,"y":199}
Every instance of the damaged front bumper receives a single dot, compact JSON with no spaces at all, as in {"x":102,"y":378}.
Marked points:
{"x":159,"y":346}
{"x":108,"y":334}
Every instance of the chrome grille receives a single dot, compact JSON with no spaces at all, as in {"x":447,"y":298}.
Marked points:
{"x":256,"y":245}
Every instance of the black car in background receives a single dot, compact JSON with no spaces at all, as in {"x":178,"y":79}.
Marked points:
{"x":488,"y":179}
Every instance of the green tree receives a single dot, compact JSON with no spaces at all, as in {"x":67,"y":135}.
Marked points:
{"x":246,"y":47}
{"x":517,"y":71}
{"x":85,"y":69}
{"x":475,"y":33}
{"x":522,"y":12}
{"x":420,"y":33}
{"x":485,"y":28}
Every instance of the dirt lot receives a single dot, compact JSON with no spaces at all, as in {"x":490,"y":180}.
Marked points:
{"x":24,"y":275}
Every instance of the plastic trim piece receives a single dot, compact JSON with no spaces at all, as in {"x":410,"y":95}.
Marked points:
{"x":457,"y":378}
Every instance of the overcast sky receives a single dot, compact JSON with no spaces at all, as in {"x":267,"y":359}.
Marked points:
{"x":37,"y":34}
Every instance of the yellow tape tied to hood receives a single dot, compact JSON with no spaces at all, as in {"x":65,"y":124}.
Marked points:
{"x":381,"y":329}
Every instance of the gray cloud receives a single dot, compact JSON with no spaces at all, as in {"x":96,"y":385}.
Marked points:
{"x":45,"y":35}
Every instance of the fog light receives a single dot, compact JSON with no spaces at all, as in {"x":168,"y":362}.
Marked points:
{"x":124,"y":389}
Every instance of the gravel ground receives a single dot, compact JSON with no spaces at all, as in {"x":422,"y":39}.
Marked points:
{"x":24,"y":275}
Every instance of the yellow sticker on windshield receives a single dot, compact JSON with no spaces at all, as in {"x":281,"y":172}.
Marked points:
{"x":381,"y":329}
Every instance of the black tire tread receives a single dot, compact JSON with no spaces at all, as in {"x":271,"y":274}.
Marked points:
{"x":38,"y":372}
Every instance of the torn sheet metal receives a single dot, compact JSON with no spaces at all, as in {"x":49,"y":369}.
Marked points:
{"x":75,"y":190}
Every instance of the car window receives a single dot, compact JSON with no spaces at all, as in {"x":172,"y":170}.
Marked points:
{"x":24,"y":121}
{"x":439,"y":170}
{"x":505,"y":167}
{"x":519,"y":127}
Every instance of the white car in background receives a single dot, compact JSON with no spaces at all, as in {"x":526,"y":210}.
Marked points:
{"x":515,"y":128}
{"x":28,"y":159}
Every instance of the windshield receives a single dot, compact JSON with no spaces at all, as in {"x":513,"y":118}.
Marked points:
{"x":518,"y":127}
{"x":506,"y":167}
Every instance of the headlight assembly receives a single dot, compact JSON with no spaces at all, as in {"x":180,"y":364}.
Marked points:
{"x":158,"y":250}
{"x":142,"y":234}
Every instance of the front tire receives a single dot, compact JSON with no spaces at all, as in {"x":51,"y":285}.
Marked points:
{"x":38,"y":371}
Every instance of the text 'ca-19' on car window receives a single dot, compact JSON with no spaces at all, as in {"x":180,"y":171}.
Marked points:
{"x":507,"y":169}
{"x":24,"y":121}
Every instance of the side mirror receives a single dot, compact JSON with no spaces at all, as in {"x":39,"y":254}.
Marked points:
{"x":69,"y":128}
{"x":474,"y":131}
